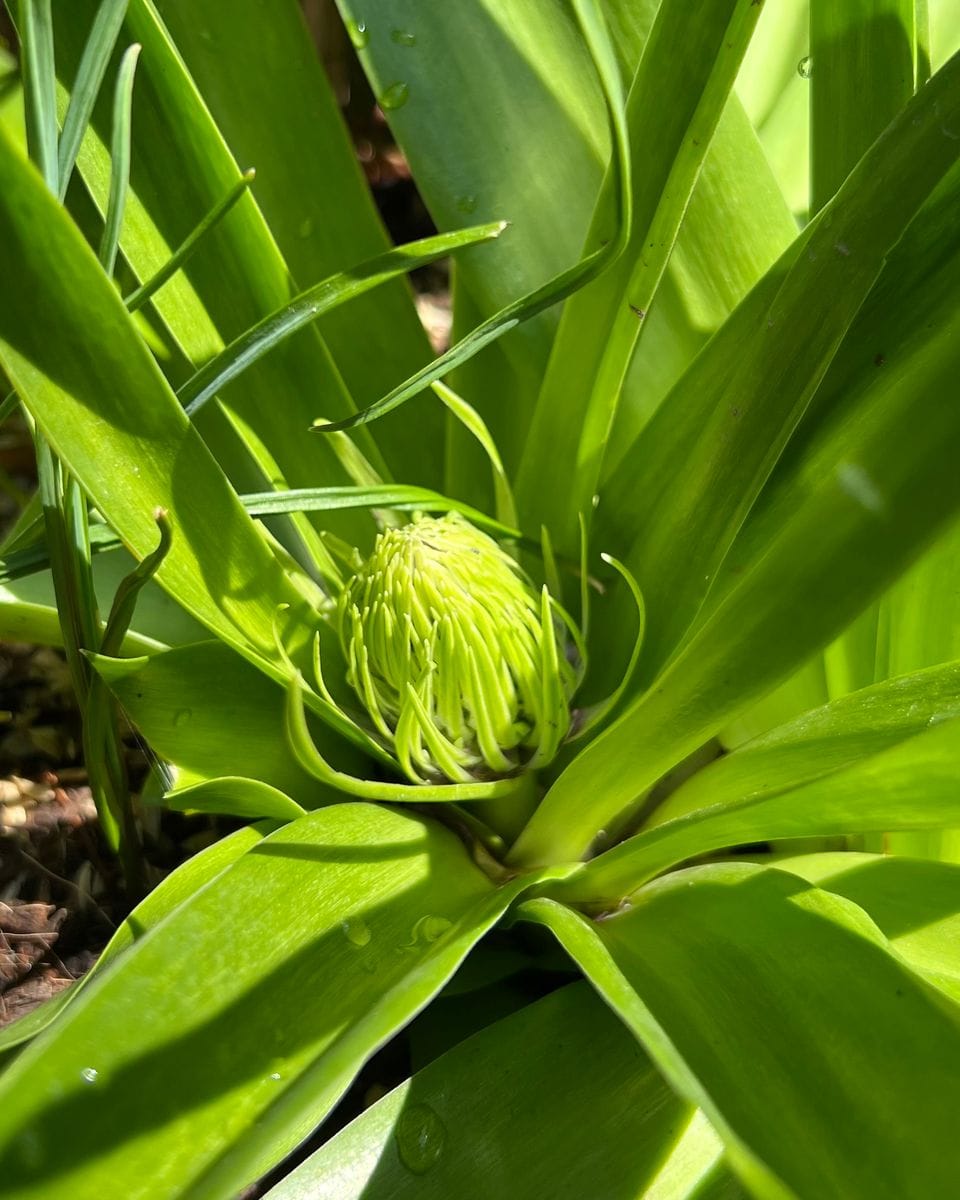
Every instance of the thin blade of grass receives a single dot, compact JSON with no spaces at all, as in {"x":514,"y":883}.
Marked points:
{"x":90,"y":74}
{"x":40,"y":91}
{"x":188,"y":247}
{"x":321,"y":298}
{"x":119,"y":159}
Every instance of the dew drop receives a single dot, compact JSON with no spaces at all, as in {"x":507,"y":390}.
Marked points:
{"x":357,"y":33}
{"x":467,"y":204}
{"x":274,"y":1074}
{"x":305,"y":228}
{"x":396,"y":96}
{"x":403,"y":37}
{"x":805,"y":67}
{"x":89,"y":1074}
{"x":356,"y":931}
{"x":420,"y":1138}
{"x":181,"y":717}
{"x":431,"y":929}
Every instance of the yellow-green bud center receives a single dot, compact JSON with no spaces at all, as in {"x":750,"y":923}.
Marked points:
{"x":454,"y":654}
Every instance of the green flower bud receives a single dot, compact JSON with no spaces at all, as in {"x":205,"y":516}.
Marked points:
{"x":454,"y":655}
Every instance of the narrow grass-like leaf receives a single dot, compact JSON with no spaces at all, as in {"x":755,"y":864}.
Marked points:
{"x":181,"y":168}
{"x":90,"y":74}
{"x":189,"y":246}
{"x":274,"y":105}
{"x":118,"y":427}
{"x":39,"y":79}
{"x":471,"y":420}
{"x":320,"y":298}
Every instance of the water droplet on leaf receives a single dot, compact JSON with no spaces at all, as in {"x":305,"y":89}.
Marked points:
{"x":89,"y":1074}
{"x":396,"y":96}
{"x":467,"y":204}
{"x":431,"y":929}
{"x":805,"y":67}
{"x":181,"y":717}
{"x":357,"y":33}
{"x":420,"y":1138}
{"x":403,"y":37}
{"x":356,"y":931}
{"x":305,"y":228}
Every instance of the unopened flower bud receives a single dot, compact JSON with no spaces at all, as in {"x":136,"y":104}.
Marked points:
{"x":460,"y":664}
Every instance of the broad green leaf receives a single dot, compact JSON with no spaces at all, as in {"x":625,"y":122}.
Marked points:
{"x":909,"y":783}
{"x":854,"y":502}
{"x":916,"y":904}
{"x":861,"y":74}
{"x":617,"y":223}
{"x":829,"y":739}
{"x":737,"y":204}
{"x":918,"y":617}
{"x":708,"y":466}
{"x":237,"y":1022}
{"x":755,"y":986}
{"x":581,"y":940}
{"x":133,"y":457}
{"x":172,"y":891}
{"x":865,"y":53}
{"x":556,"y":1100}
{"x":207,"y":711}
{"x":773,"y":85}
{"x":538,"y":96}
{"x":673,"y":107}
{"x":269,"y":95}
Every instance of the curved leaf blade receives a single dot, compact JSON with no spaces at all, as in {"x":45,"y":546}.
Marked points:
{"x":554,"y":1100}
{"x":708,"y":957}
{"x":237,"y":1022}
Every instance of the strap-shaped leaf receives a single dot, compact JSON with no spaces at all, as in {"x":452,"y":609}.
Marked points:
{"x":227,"y":1032}
{"x":786,"y":1013}
{"x":275,"y":108}
{"x":172,"y":891}
{"x":99,"y":398}
{"x":556,"y":1100}
{"x":710,"y":462}
{"x":909,"y":785}
{"x":232,"y":728}
{"x":682,"y":81}
{"x":915,"y":902}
